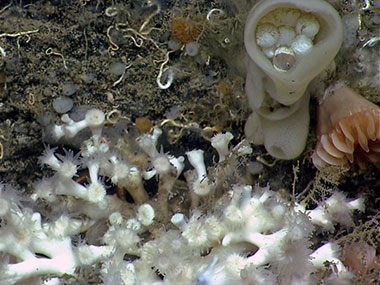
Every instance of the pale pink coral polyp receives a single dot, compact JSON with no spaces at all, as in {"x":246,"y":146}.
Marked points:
{"x":348,"y":130}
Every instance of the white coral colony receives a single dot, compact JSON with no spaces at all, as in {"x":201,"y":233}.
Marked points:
{"x":288,"y":42}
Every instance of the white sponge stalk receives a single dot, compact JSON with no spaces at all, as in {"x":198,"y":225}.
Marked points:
{"x":95,"y":120}
{"x":145,"y":214}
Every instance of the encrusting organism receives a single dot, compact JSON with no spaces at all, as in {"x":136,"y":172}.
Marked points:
{"x":186,"y":30}
{"x":348,"y":130}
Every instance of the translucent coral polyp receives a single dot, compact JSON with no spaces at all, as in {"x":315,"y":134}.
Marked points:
{"x":348,"y":130}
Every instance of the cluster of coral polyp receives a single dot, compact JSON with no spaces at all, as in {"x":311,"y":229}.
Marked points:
{"x":348,"y":130}
{"x":249,"y":235}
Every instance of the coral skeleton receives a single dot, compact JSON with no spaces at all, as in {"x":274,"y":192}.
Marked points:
{"x":251,"y":235}
{"x":145,"y":176}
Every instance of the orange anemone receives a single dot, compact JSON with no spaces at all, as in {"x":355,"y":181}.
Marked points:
{"x":348,"y":130}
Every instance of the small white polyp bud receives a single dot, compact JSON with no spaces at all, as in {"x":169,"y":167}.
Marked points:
{"x":178,"y":164}
{"x":133,"y":224}
{"x":214,"y":228}
{"x":94,"y":117}
{"x":145,"y":214}
{"x":266,"y":35}
{"x":68,"y":169}
{"x":120,"y":171}
{"x":201,"y":185}
{"x":220,"y":143}
{"x":96,"y":192}
{"x":196,"y":160}
{"x":233,"y":215}
{"x":195,"y":233}
{"x":126,"y":238}
{"x":95,"y":120}
{"x":66,"y":119}
{"x":179,"y":221}
{"x":148,"y":142}
{"x":115,"y":218}
{"x":161,"y":164}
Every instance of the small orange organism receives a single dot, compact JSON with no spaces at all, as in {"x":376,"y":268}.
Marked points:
{"x":186,"y":29}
